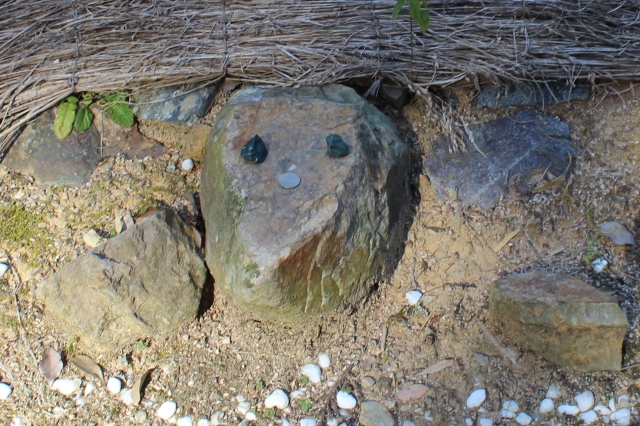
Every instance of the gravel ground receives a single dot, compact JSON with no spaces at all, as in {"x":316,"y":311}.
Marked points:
{"x":380,"y":345}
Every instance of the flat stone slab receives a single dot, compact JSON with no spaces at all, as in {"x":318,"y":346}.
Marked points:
{"x":307,"y":246}
{"x":529,"y":94}
{"x":561,"y":318}
{"x":520,"y":144}
{"x":145,"y":282}
{"x":181,"y":104}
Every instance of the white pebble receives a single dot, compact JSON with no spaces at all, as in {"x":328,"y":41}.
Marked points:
{"x":569,"y":410}
{"x":3,"y":269}
{"x":324,"y":361}
{"x":187,"y":164}
{"x":217,"y":418}
{"x":427,"y":416}
{"x":243,"y":408}
{"x":346,"y":400}
{"x":621,"y":417}
{"x":126,"y":396}
{"x":167,"y":410}
{"x":523,"y":419}
{"x":623,"y":401}
{"x":308,"y":422}
{"x":185,"y":421}
{"x":612,"y":405}
{"x":589,"y":417}
{"x":344,"y":413}
{"x":476,"y":398}
{"x":332,"y":422}
{"x":5,"y":391}
{"x":507,"y":414}
{"x":406,"y":423}
{"x":468,"y":421}
{"x":485,"y":422}
{"x":16,"y":421}
{"x":599,"y":265}
{"x":278,"y":399}
{"x":251,"y":416}
{"x":203,"y":422}
{"x":603,"y":410}
{"x":64,"y":386}
{"x":89,"y":388}
{"x":413,"y":297}
{"x":285,"y":422}
{"x":240,"y":398}
{"x":511,"y":405}
{"x":80,"y":401}
{"x":546,"y":406}
{"x":313,"y":372}
{"x":114,"y":385}
{"x":553,"y":392}
{"x":298,"y":394}
{"x":585,"y":400}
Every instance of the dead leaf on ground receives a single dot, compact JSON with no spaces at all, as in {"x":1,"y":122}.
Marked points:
{"x":505,"y":240}
{"x":89,"y":366}
{"x":136,"y":390}
{"x":555,"y":182}
{"x":438,"y":366}
{"x":51,"y":364}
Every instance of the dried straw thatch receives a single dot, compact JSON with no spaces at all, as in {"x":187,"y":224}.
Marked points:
{"x":51,"y":48}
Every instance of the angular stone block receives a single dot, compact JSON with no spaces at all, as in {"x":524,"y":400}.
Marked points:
{"x":561,"y":318}
{"x":310,"y":248}
{"x":142,"y":283}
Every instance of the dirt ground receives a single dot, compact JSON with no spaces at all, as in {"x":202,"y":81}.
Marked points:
{"x":448,"y":255}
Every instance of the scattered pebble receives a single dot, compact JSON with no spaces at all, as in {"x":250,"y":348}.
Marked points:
{"x":546,"y":406}
{"x":569,"y":410}
{"x":92,"y":238}
{"x":612,"y":405}
{"x":187,"y":164}
{"x":346,"y":400}
{"x":243,"y":408}
{"x":298,"y":394}
{"x":511,"y":405}
{"x":126,"y":396}
{"x":427,"y":416}
{"x":3,"y":268}
{"x":308,"y":422}
{"x":285,"y":422}
{"x":468,"y":421}
{"x":599,"y":265}
{"x":240,"y":398}
{"x":413,"y":297}
{"x":114,"y":385}
{"x":618,"y":233}
{"x":523,"y":419}
{"x":332,"y":422}
{"x":251,"y":416}
{"x":81,"y":401}
{"x":345,"y":414}
{"x":476,"y":398}
{"x":5,"y":391}
{"x":485,"y":422}
{"x":621,"y":417}
{"x":185,"y":421}
{"x":313,"y":372}
{"x":585,"y":400}
{"x":553,"y":392}
{"x":89,"y":388}
{"x":217,"y":418}
{"x":167,"y":410}
{"x":507,"y":414}
{"x":16,"y":421}
{"x":65,"y":386}
{"x":368,"y":381}
{"x":603,"y":410}
{"x":623,"y":401}
{"x":408,"y":423}
{"x":203,"y":422}
{"x":278,"y":399}
{"x":589,"y":417}
{"x":324,"y":361}
{"x":140,"y":416}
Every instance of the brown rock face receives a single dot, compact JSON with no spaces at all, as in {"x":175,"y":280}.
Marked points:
{"x":561,"y":318}
{"x":308,"y":249}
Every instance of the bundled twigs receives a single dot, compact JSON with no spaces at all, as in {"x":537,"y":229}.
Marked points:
{"x":52,"y":48}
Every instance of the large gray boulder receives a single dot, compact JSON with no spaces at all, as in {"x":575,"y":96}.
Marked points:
{"x":309,"y":249}
{"x":142,"y":283}
{"x":561,"y":318}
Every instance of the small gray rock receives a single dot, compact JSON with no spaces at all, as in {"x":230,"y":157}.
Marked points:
{"x":373,"y":413}
{"x":529,"y":94}
{"x":182,"y":104}
{"x":617,"y":233}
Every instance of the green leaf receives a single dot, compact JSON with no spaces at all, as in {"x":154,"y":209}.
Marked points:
{"x":115,"y":97}
{"x":397,"y":9}
{"x":121,"y":114}
{"x":84,"y":118}
{"x":86,"y":101}
{"x":420,"y":15}
{"x":72,"y":99}
{"x":65,"y":116}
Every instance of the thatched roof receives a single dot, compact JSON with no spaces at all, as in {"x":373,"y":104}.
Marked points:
{"x":52,"y":48}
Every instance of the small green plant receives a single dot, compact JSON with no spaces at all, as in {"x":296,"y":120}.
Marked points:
{"x":269,"y":413}
{"x":592,"y":249}
{"x":72,"y":345}
{"x":112,"y":233}
{"x":347,"y":388}
{"x":260,"y":385}
{"x":305,"y":405}
{"x":74,"y":112}
{"x":303,"y":380}
{"x":417,"y":9}
{"x":141,"y":345}
{"x":384,"y":358}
